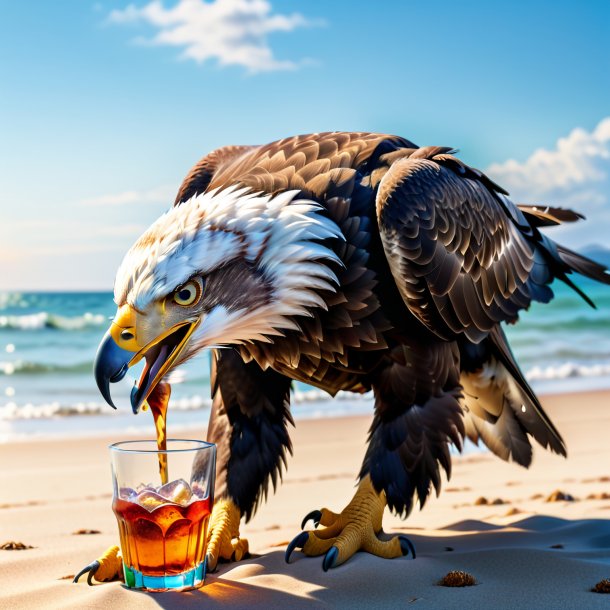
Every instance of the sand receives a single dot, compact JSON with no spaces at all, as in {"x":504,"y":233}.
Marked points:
{"x":524,"y":553}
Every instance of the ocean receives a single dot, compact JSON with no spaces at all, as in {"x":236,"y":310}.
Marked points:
{"x":48,"y":343}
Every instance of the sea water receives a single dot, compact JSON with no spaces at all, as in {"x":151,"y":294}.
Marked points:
{"x":48,"y":342}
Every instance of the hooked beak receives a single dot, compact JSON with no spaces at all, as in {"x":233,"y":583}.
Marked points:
{"x":111,"y":364}
{"x":119,"y":350}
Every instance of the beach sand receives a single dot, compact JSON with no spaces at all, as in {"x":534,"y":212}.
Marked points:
{"x":524,"y":553}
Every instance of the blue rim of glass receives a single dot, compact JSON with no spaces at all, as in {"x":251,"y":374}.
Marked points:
{"x":199,"y":445}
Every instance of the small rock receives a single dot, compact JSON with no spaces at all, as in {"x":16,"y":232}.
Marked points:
{"x":556,"y":546}
{"x":85,"y":532}
{"x":499,"y":501}
{"x":482,"y":501}
{"x":603,"y":586}
{"x":15,"y":546}
{"x":457,"y":578}
{"x":512,"y":511}
{"x":449,"y":549}
{"x":599,"y":496}
{"x":560,"y":496}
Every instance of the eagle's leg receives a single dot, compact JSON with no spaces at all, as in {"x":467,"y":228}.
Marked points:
{"x":248,"y":423}
{"x":417,"y":416}
{"x":224,"y":541}
{"x":356,"y":528}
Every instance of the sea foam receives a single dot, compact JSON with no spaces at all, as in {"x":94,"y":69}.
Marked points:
{"x":43,"y":319}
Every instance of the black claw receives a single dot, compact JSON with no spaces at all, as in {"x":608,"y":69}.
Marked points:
{"x":406,"y":545}
{"x":91,"y":575}
{"x":330,"y":558}
{"x":297,"y":542}
{"x":208,"y":563}
{"x":314,"y":515}
{"x":92,"y":568}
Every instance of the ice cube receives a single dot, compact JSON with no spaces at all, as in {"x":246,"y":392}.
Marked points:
{"x":127,"y":493}
{"x":150,"y":500}
{"x":198,"y":490}
{"x":178,"y":491}
{"x":145,"y":486}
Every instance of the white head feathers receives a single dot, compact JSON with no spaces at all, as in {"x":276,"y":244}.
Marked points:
{"x":280,"y":235}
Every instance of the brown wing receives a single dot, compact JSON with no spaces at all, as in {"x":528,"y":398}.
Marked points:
{"x":547,"y":216}
{"x":198,"y":179}
{"x":460,"y":252}
{"x":309,"y":163}
{"x":306,"y":163}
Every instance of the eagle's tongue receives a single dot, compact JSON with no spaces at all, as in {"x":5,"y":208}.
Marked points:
{"x":148,"y":375}
{"x":159,"y":361}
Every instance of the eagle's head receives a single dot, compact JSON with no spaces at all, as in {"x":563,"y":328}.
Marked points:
{"x":225,"y":268}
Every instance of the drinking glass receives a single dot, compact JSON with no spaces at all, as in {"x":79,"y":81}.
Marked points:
{"x":162,"y":501}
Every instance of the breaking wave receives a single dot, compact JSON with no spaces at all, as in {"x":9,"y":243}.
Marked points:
{"x":568,"y":370}
{"x":43,"y":319}
{"x":21,"y":367}
{"x":13,"y":411}
{"x":300,"y":398}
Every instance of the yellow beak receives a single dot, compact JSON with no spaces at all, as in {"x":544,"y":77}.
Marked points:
{"x":120,"y":350}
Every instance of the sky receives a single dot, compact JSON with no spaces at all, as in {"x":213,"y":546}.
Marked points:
{"x":105,"y":106}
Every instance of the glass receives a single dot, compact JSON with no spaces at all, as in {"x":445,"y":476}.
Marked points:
{"x":163,"y":527}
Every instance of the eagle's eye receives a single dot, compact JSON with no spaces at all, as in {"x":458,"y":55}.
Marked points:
{"x":188,"y":294}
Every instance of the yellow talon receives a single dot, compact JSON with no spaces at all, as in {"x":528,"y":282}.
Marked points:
{"x":356,"y":528}
{"x":224,"y":541}
{"x":107,"y":567}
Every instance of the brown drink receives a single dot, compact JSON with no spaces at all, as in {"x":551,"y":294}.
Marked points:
{"x":158,"y":402}
{"x":169,"y":539}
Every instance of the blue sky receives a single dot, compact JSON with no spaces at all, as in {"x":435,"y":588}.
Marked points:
{"x":105,"y":106}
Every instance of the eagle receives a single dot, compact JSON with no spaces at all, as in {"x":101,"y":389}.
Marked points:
{"x":352,"y":262}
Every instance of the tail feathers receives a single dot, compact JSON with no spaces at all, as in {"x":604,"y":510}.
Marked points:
{"x":502,"y":409}
{"x":583,"y":265}
{"x":565,"y":262}
{"x":548,"y":216}
{"x":502,"y":434}
{"x":561,"y":260}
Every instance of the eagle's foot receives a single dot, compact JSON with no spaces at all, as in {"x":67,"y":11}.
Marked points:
{"x":357,"y":527}
{"x":107,"y":567}
{"x":223,"y":538}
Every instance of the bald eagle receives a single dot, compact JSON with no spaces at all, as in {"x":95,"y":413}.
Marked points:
{"x":353,"y":262}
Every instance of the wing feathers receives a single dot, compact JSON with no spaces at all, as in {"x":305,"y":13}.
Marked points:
{"x":450,"y":242}
{"x":500,"y":407}
{"x":548,"y":216}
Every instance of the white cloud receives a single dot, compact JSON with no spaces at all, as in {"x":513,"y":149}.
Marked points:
{"x":161,"y":194}
{"x":575,"y":173}
{"x":233,"y":32}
